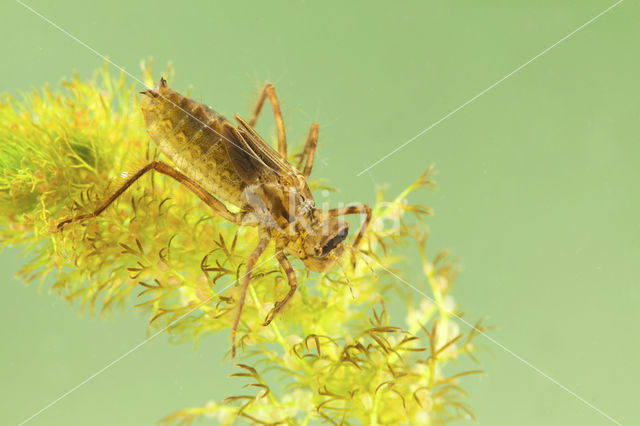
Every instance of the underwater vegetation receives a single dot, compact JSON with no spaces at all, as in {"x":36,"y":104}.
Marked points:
{"x":333,"y":355}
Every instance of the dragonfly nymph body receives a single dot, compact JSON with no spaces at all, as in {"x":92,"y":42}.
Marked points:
{"x":215,"y":158}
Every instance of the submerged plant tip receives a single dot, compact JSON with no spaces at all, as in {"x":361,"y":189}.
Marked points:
{"x":340,"y":355}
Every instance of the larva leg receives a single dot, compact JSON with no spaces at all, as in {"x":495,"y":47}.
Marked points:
{"x":270,"y":92}
{"x":293,"y":285}
{"x":165,"y":169}
{"x":251,"y":262}
{"x":309,"y":151}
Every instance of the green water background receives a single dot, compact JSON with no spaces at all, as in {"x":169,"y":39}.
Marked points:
{"x":538,"y":183}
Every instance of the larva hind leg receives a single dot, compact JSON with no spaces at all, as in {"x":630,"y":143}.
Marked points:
{"x":165,"y":169}
{"x":270,"y":92}
{"x":309,"y":151}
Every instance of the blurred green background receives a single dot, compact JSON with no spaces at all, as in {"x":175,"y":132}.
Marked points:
{"x":538,"y":183}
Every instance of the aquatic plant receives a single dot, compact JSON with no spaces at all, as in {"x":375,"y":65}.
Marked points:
{"x":333,"y":355}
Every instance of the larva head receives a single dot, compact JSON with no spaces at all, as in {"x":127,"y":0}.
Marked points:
{"x":322,"y":245}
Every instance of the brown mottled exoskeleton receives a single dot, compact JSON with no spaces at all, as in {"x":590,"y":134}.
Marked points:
{"x":234,"y":163}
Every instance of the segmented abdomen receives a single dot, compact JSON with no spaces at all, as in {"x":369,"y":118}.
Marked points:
{"x":190,"y":134}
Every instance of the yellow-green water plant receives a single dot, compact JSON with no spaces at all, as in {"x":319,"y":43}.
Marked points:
{"x":337,"y":354}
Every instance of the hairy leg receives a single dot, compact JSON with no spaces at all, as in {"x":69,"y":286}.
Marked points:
{"x":165,"y":169}
{"x":293,"y":285}
{"x":270,"y":92}
{"x":251,"y":262}
{"x":309,"y":151}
